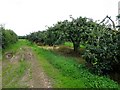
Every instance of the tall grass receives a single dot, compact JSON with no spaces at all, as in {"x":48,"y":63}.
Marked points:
{"x":66,"y":73}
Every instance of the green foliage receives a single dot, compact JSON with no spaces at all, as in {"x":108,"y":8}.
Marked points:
{"x":0,"y":39}
{"x":21,"y":37}
{"x":16,"y":46}
{"x":102,"y":50}
{"x":53,"y":37}
{"x":102,"y":44}
{"x":75,"y":30}
{"x":49,"y":37}
{"x":8,"y":37}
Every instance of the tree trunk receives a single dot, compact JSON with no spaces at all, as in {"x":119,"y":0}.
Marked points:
{"x":76,"y":47}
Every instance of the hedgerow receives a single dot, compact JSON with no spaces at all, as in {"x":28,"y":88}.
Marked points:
{"x":8,"y":37}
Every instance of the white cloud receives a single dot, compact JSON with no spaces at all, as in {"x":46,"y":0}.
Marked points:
{"x":25,"y":16}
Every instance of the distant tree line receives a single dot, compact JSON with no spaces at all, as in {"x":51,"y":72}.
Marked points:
{"x":7,"y":37}
{"x":22,"y":37}
{"x":49,"y":37}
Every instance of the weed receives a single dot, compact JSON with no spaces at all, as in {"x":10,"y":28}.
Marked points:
{"x":66,"y":73}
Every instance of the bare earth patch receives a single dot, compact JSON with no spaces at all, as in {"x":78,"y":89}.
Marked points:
{"x":34,"y":76}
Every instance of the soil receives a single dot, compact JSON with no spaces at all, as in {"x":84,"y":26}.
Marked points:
{"x":34,"y":76}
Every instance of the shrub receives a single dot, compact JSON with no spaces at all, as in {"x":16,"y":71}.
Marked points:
{"x":102,"y":50}
{"x":8,"y":37}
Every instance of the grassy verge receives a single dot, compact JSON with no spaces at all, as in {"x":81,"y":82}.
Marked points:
{"x":66,"y":73}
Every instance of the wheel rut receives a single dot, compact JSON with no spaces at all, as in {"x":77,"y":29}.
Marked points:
{"x":34,"y":76}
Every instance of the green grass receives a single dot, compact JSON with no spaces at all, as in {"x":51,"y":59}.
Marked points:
{"x":70,"y":44}
{"x":0,"y":53}
{"x":14,"y":47}
{"x":12,"y":73}
{"x":66,"y":73}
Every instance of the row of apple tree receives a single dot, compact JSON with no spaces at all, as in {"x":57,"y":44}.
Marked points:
{"x":102,"y":45}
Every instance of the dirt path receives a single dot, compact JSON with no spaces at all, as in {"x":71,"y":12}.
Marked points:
{"x":34,"y":76}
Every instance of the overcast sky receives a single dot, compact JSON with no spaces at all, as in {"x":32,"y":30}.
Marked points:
{"x":25,"y":16}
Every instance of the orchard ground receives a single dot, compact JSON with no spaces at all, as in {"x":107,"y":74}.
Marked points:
{"x":27,"y":65}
